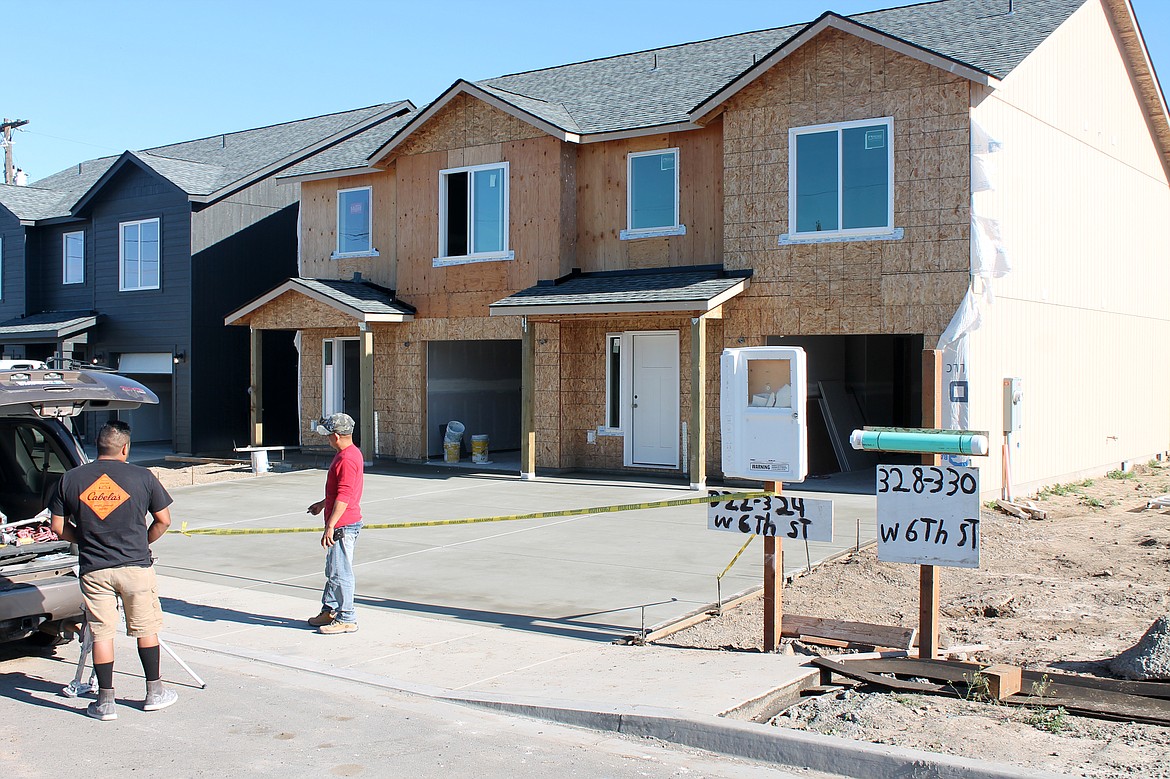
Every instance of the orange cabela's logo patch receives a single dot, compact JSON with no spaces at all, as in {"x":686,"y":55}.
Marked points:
{"x":103,"y":496}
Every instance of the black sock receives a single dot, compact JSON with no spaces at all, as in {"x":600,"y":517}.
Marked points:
{"x":150,"y":662}
{"x":105,"y":675}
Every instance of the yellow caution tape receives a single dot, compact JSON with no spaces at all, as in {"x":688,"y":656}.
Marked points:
{"x":240,"y":531}
{"x":737,"y":554}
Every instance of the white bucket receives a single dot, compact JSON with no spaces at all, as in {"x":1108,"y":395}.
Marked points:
{"x":451,"y":451}
{"x":479,"y":449}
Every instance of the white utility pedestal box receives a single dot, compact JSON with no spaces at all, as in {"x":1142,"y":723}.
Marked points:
{"x":762,"y":413}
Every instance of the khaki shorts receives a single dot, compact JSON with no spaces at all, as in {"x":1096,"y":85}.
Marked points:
{"x":139,"y":592}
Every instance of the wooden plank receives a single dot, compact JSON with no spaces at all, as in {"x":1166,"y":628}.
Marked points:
{"x":851,"y":632}
{"x":957,"y":671}
{"x":843,"y":416}
{"x":1002,"y":680}
{"x":889,"y":683}
{"x":1076,"y":698}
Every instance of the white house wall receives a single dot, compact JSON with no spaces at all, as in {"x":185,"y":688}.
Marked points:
{"x":1083,"y":317}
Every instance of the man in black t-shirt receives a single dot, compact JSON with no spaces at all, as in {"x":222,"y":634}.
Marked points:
{"x":107,"y":502}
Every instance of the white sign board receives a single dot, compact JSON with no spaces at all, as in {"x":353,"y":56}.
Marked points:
{"x":928,"y":515}
{"x":785,"y":516}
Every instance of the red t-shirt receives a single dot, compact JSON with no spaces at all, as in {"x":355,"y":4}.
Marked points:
{"x":344,"y":483}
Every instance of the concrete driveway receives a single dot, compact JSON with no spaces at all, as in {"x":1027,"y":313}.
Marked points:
{"x":595,"y":577}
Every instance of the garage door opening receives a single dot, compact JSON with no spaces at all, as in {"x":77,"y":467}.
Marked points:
{"x":854,"y":381}
{"x":476,"y":383}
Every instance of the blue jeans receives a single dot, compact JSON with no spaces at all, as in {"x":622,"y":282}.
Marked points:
{"x":339,"y":579}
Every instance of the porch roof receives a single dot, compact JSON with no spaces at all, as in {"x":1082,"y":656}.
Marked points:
{"x":46,"y":326}
{"x":361,"y":300}
{"x":697,"y":289}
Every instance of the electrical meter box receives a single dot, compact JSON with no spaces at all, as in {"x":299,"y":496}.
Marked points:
{"x":1013,"y":405}
{"x":762,"y":413}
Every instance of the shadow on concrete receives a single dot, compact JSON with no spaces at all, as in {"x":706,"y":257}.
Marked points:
{"x":182,"y":608}
{"x":28,"y":689}
{"x":566,"y":627}
{"x":570,"y":626}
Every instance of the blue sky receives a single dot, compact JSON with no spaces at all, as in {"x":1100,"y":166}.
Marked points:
{"x":96,"y":77}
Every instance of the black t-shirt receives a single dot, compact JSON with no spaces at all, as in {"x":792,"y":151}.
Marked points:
{"x":108,"y":501}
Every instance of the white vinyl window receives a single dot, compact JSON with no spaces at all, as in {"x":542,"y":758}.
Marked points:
{"x":138,"y":247}
{"x":354,"y":223}
{"x":841,"y":179}
{"x":73,"y":258}
{"x":473,"y":214}
{"x":652,"y":194}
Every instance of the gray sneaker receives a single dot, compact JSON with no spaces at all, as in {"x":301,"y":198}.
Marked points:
{"x":103,"y":708}
{"x":158,"y":697}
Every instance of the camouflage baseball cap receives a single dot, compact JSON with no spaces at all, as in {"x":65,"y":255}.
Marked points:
{"x":339,"y":423}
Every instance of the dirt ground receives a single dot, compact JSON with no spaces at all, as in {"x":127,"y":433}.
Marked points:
{"x":1066,"y":593}
{"x":175,"y":475}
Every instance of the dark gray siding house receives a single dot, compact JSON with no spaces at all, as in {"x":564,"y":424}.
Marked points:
{"x":132,"y":262}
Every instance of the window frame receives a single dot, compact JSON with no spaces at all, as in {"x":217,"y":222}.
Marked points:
{"x":613,"y":398}
{"x":369,"y":251}
{"x":841,"y":233}
{"x":505,"y":253}
{"x":1,"y":267}
{"x":677,"y":228}
{"x":65,"y":278}
{"x":122,"y":257}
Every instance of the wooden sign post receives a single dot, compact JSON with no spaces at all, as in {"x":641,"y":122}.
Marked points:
{"x":928,"y":574}
{"x":773,"y":583}
{"x":773,"y":517}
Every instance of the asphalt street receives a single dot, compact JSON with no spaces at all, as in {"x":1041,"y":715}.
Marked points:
{"x":254,"y":719}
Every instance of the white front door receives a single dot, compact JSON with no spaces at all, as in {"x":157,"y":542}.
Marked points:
{"x":654,"y":405}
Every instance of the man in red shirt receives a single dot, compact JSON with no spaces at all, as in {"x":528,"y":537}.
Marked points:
{"x":343,"y":522}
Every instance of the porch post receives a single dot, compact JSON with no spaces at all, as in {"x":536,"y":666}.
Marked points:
{"x":697,"y":435}
{"x":528,"y":400}
{"x":366,"y":376}
{"x":256,"y":387}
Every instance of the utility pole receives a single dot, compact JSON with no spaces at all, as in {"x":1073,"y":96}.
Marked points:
{"x":7,"y":126}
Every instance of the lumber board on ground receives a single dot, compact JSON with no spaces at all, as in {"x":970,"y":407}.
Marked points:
{"x":852,"y":672}
{"x":1086,"y":696}
{"x":865,"y":633}
{"x":954,"y":670}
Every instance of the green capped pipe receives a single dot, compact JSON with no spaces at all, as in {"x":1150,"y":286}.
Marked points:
{"x":919,"y":442}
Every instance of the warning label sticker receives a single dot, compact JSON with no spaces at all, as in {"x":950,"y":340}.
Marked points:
{"x":103,"y":496}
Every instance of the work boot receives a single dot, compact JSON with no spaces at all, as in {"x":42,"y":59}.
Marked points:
{"x":324,"y":618}
{"x":337,"y":626}
{"x":158,"y":697}
{"x":104,"y":707}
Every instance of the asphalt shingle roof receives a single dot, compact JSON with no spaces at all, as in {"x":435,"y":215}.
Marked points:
{"x":681,"y":285}
{"x":661,"y":86}
{"x":49,"y":323}
{"x":206,"y":165}
{"x":367,"y":298}
{"x":28,"y":202}
{"x":351,"y":153}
